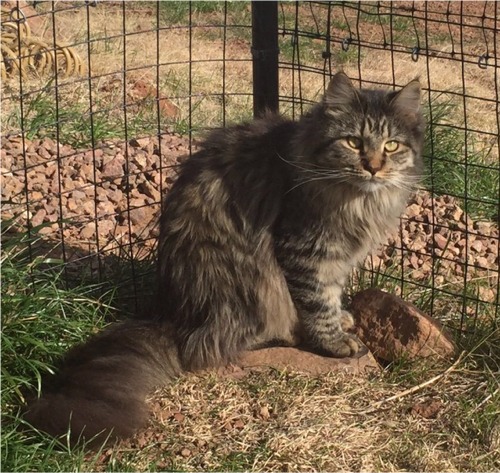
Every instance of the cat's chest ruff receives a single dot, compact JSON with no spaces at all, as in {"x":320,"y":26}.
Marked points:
{"x":362,"y":220}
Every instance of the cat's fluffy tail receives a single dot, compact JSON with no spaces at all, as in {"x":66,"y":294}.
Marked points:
{"x":100,"y":390}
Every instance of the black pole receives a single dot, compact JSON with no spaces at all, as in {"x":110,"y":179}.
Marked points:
{"x":265,"y":54}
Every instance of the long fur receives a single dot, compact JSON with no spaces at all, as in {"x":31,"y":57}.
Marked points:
{"x":259,"y":234}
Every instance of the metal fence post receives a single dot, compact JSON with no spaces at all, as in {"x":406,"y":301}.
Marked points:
{"x":265,"y":54}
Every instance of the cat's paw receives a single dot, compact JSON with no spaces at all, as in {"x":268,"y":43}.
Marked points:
{"x":343,"y":347}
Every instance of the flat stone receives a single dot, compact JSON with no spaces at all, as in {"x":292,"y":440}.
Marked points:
{"x":391,"y":328}
{"x":301,"y":361}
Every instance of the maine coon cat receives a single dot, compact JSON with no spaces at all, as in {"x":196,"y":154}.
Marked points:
{"x":259,"y":233}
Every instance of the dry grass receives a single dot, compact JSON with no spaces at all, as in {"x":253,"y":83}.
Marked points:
{"x":279,"y":421}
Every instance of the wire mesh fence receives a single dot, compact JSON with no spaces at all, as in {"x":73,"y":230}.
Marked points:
{"x":100,"y":100}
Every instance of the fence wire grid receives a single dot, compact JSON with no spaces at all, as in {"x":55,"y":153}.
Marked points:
{"x":100,"y":101}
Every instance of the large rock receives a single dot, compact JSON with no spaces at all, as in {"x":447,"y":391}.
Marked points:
{"x":391,"y":327}
{"x":301,"y":361}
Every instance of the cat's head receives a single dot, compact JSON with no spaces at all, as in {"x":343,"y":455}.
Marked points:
{"x":369,"y":138}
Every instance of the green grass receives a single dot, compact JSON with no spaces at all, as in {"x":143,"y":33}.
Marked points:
{"x":71,"y":121}
{"x":177,"y":12}
{"x":457,"y":165}
{"x":40,"y":321}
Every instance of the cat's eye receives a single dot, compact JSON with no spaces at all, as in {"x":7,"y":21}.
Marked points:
{"x":353,"y":142}
{"x":391,"y":146}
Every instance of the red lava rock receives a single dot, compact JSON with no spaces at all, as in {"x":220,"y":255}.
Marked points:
{"x":179,"y":417}
{"x":391,"y":327}
{"x":427,"y":409}
{"x":105,"y":227}
{"x":441,"y":241}
{"x":477,"y":245}
{"x":295,"y":359}
{"x":78,"y":194}
{"x":146,"y":90}
{"x":168,"y":108}
{"x":114,"y":168}
{"x":139,"y":142}
{"x":46,"y":230}
{"x":138,"y":215}
{"x":38,"y":218}
{"x":149,"y":190}
{"x":88,"y":231}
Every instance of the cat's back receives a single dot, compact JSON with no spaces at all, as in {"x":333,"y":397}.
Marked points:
{"x":242,"y":170}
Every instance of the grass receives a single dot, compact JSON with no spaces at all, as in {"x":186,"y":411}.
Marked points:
{"x":72,"y":123}
{"x":40,"y":321}
{"x":458,"y":164}
{"x":177,"y":12}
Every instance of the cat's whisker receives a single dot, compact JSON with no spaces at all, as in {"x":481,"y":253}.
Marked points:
{"x":405,"y":184}
{"x":313,"y":167}
{"x":329,"y":173}
{"x":338,"y":179}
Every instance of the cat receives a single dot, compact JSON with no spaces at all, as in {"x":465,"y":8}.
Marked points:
{"x":258,"y":236}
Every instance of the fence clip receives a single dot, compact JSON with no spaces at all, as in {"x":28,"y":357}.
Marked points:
{"x":482,"y":62}
{"x":415,"y":53}
{"x":346,"y":43}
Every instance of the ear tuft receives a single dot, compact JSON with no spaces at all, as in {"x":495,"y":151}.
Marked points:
{"x":407,"y":100}
{"x":340,"y":92}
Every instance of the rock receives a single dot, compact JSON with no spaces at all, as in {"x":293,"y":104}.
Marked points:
{"x":88,"y":231}
{"x":140,"y":215}
{"x":391,"y":327}
{"x":168,"y":108}
{"x":105,"y":227}
{"x":115,"y":195}
{"x":483,"y":262}
{"x":427,"y":409}
{"x":114,"y":168}
{"x":477,"y":245}
{"x":78,"y":194}
{"x":413,"y":210}
{"x":298,"y":360}
{"x":39,"y":217}
{"x":148,"y":189}
{"x":441,"y":241}
{"x":141,"y":160}
{"x":139,"y":142}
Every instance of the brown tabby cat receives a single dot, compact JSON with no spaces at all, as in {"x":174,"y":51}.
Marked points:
{"x":259,"y":234}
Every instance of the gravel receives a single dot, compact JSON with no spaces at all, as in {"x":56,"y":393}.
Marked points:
{"x":97,"y":202}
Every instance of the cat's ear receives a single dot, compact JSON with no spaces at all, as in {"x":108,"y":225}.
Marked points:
{"x":407,"y":100}
{"x":340,"y":93}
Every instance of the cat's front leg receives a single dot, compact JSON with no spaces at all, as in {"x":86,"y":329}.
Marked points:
{"x":327,"y":331}
{"x":324,"y":322}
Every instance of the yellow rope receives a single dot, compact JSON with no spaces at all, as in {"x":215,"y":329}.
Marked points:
{"x":27,"y":55}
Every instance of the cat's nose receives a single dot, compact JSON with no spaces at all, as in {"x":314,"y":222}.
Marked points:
{"x":372,"y":165}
